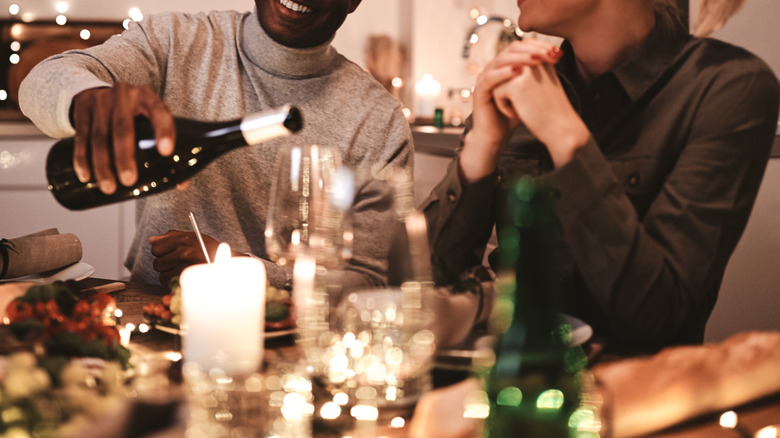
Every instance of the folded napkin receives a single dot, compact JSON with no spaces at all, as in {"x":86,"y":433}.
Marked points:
{"x":680,"y":383}
{"x":39,"y":252}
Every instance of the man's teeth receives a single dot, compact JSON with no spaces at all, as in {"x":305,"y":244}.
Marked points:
{"x":291,"y":5}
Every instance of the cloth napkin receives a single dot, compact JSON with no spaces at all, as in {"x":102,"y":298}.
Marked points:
{"x":651,"y":393}
{"x":39,"y":252}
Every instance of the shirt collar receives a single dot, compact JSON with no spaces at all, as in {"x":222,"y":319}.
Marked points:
{"x":282,"y":60}
{"x":657,"y":53}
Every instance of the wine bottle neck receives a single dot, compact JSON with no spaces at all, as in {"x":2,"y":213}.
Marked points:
{"x":261,"y":126}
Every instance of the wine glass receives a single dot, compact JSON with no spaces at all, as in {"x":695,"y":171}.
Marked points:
{"x":308,"y":228}
{"x":310,"y":197}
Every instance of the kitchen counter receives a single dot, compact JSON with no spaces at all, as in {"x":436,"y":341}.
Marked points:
{"x":431,"y":140}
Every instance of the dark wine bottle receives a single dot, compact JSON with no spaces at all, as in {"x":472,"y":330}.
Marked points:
{"x":197,"y":144}
{"x":533,"y":385}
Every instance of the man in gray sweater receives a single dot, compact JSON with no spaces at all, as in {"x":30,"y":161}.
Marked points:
{"x":222,"y":66}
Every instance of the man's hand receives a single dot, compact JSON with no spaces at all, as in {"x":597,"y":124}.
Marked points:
{"x":105,"y":128}
{"x":175,"y":250}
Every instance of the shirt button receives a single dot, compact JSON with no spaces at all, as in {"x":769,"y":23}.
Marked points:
{"x":452,"y":197}
{"x":633,"y":179}
{"x":499,"y":179}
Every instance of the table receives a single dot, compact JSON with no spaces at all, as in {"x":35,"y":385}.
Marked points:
{"x":278,"y":350}
{"x":752,"y":416}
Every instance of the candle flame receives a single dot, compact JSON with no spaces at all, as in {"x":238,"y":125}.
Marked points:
{"x":223,"y":253}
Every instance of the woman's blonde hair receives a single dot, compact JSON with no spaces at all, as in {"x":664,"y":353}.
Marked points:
{"x":713,"y":14}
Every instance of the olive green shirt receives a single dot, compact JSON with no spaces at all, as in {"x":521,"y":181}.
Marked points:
{"x":653,"y":205}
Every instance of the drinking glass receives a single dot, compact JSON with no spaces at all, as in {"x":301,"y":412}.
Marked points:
{"x":274,"y":400}
{"x":385,"y":345}
{"x":310,"y":197}
{"x":308,"y":228}
{"x":383,"y":340}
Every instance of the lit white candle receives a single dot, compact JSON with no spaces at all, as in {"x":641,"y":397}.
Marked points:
{"x":427,"y":90}
{"x":223,"y":312}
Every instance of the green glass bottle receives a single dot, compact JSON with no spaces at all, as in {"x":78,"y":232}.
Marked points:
{"x":533,"y":385}
{"x":198,"y":143}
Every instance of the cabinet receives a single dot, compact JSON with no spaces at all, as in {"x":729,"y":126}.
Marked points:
{"x":26,"y":206}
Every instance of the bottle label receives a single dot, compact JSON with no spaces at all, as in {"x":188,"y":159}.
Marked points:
{"x":259,"y":127}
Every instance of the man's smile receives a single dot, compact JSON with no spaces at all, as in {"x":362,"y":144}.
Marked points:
{"x":295,"y":7}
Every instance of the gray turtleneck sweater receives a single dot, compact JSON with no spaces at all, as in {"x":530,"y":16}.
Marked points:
{"x":221,"y":66}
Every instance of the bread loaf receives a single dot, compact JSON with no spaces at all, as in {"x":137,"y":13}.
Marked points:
{"x":680,"y":383}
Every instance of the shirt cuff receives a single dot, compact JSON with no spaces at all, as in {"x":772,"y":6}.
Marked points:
{"x":583,"y":182}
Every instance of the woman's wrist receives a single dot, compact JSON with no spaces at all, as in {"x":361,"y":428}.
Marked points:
{"x":479,"y":157}
{"x":568,"y":142}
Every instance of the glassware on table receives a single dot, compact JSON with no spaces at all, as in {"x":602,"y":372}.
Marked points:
{"x":308,"y":227}
{"x":276,"y":400}
{"x":310,"y":197}
{"x":385,"y":347}
{"x":384,"y":342}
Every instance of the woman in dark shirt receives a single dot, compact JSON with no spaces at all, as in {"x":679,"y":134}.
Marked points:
{"x":654,"y":143}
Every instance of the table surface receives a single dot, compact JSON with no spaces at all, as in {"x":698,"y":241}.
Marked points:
{"x":752,"y":416}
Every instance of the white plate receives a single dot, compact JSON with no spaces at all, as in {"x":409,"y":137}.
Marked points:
{"x":482,"y":347}
{"x":268,"y":335}
{"x":580,"y":332}
{"x":77,"y":271}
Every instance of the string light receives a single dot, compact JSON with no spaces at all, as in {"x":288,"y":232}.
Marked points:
{"x":13,"y":9}
{"x":85,"y":34}
{"x":14,"y":58}
{"x":728,"y":420}
{"x":62,"y":7}
{"x":16,"y":46}
{"x":3,"y":95}
{"x":397,"y":422}
{"x":135,"y":14}
{"x":61,"y":20}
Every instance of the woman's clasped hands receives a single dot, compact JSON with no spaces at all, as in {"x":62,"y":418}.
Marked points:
{"x":520,"y":85}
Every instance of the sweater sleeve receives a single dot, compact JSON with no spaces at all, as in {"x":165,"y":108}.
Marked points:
{"x":46,"y":94}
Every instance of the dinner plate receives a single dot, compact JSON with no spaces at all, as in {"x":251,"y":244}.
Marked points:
{"x":480,"y":346}
{"x":580,"y":331}
{"x":267,"y":335}
{"x":77,"y":271}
